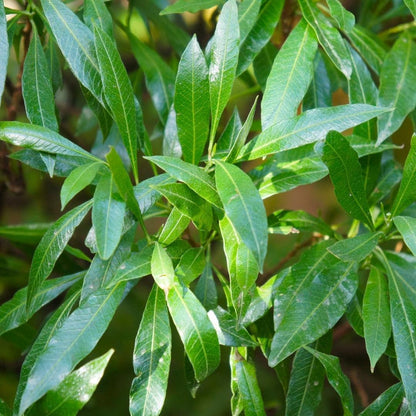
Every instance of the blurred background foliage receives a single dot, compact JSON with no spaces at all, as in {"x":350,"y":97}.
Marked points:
{"x":27,"y":196}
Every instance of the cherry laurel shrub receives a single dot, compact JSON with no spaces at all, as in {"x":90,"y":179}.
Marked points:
{"x":289,"y":57}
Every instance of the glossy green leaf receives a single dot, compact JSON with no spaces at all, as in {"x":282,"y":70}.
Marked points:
{"x":4,"y":48}
{"x":118,"y":93}
{"x":74,"y":391}
{"x":37,"y":87}
{"x":51,"y":247}
{"x":336,"y":378}
{"x":151,"y":357}
{"x":174,"y":226}
{"x":76,"y":43}
{"x":74,"y":340}
{"x":407,"y":228}
{"x":355,"y":248}
{"x":248,"y":11}
{"x":191,"y":265}
{"x":387,"y":403}
{"x":162,"y":268}
{"x":407,"y":190}
{"x":195,"y":329}
{"x":376,"y":316}
{"x":96,"y":13}
{"x":309,"y":127}
{"x":345,"y":172}
{"x":397,"y":86}
{"x":192,"y":102}
{"x":290,"y":76}
{"x":223,"y":61}
{"x":77,"y":180}
{"x":196,"y":178}
{"x":328,"y":37}
{"x":107,"y":216}
{"x":244,"y":208}
{"x":411,"y":4}
{"x":191,"y":6}
{"x":344,"y":18}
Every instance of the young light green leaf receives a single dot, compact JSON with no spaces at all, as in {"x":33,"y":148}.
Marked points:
{"x":96,"y":13}
{"x":336,"y":378}
{"x":223,"y":62}
{"x":76,"y":43}
{"x":77,"y":180}
{"x":244,"y":208}
{"x":4,"y":48}
{"x":74,"y":391}
{"x":387,"y":403}
{"x":407,"y":228}
{"x":191,"y":6}
{"x":151,"y":357}
{"x":376,"y":316}
{"x":118,"y":93}
{"x":345,"y":172}
{"x":191,"y":265}
{"x":248,"y":11}
{"x":162,"y":268}
{"x":192,"y":102}
{"x":344,"y":18}
{"x":107,"y":216}
{"x":407,"y":191}
{"x":174,"y":226}
{"x":309,"y":127}
{"x":329,"y":38}
{"x":411,"y":4}
{"x":51,"y":247}
{"x":73,"y":341}
{"x":195,"y":329}
{"x":290,"y":76}
{"x":37,"y":87}
{"x":356,"y":248}
{"x":397,"y":86}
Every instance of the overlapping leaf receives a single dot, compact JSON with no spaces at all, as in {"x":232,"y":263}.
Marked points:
{"x":387,"y":403}
{"x":407,"y":228}
{"x":96,"y":13}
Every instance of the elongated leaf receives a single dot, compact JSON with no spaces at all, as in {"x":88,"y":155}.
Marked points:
{"x":397,"y":86}
{"x":192,"y":6}
{"x":25,"y":233}
{"x":309,"y":127}
{"x":290,"y":76}
{"x":174,"y":226}
{"x":329,"y":38}
{"x":391,"y":175}
{"x":191,"y":265}
{"x":407,"y":228}
{"x":223,"y":61}
{"x":263,"y":62}
{"x":4,"y":409}
{"x":107,"y":216}
{"x":247,"y":16}
{"x":76,"y":43}
{"x":244,"y":208}
{"x":343,"y":17}
{"x":74,"y":391}
{"x":317,"y":308}
{"x":411,"y":4}
{"x":51,"y":247}
{"x":151,"y":357}
{"x":337,"y":379}
{"x":192,"y":102}
{"x":356,"y":248}
{"x":229,"y":135}
{"x":162,"y":268}
{"x":345,"y":172}
{"x":387,"y":403}
{"x":41,"y":139}
{"x":205,"y":289}
{"x":96,"y":13}
{"x":4,"y":48}
{"x":118,"y":93}
{"x":37,"y":87}
{"x":195,"y":329}
{"x":71,"y":343}
{"x":407,"y":191}
{"x":376,"y":316}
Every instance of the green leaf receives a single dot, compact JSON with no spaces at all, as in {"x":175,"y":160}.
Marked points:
{"x":97,"y":14}
{"x":228,"y":135}
{"x":51,"y":247}
{"x":195,"y":329}
{"x":174,"y":226}
{"x":160,"y":79}
{"x":205,"y":289}
{"x":309,"y":127}
{"x":151,"y":357}
{"x":397,"y":86}
{"x":407,"y":228}
{"x":118,"y":93}
{"x":40,"y":139}
{"x":223,"y":61}
{"x":260,"y":34}
{"x":196,"y":178}
{"x":387,"y":403}
{"x":13,"y":313}
{"x":248,"y":11}
{"x":290,"y":76}
{"x":76,"y":43}
{"x":107,"y":216}
{"x":407,"y":191}
{"x":26,"y":233}
{"x":77,"y":180}
{"x":191,"y":6}
{"x":4,"y":409}
{"x":337,"y":379}
{"x":345,"y":172}
{"x":53,"y":63}
{"x":316,"y":309}
{"x":344,"y":18}
{"x":376,"y":316}
{"x":244,"y":208}
{"x":263,"y":62}
{"x":411,"y":4}
{"x":191,"y":265}
{"x":73,"y":341}
{"x":355,"y":248}
{"x":390,"y":176}
{"x":192,"y":102}
{"x":37,"y":87}
{"x":162,"y":268}
{"x":328,"y":37}
{"x":74,"y":391}
{"x":4,"y":49}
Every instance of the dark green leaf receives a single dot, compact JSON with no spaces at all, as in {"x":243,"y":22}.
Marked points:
{"x":96,"y":13}
{"x":387,"y":403}
{"x":27,"y":233}
{"x":192,"y":6}
{"x":4,"y":409}
{"x":229,"y":135}
{"x":191,"y":265}
{"x":205,"y":289}
{"x":390,"y":176}
{"x":263,"y":62}
{"x":407,"y":228}
{"x":344,"y":18}
{"x":248,"y":11}
{"x":4,"y":48}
